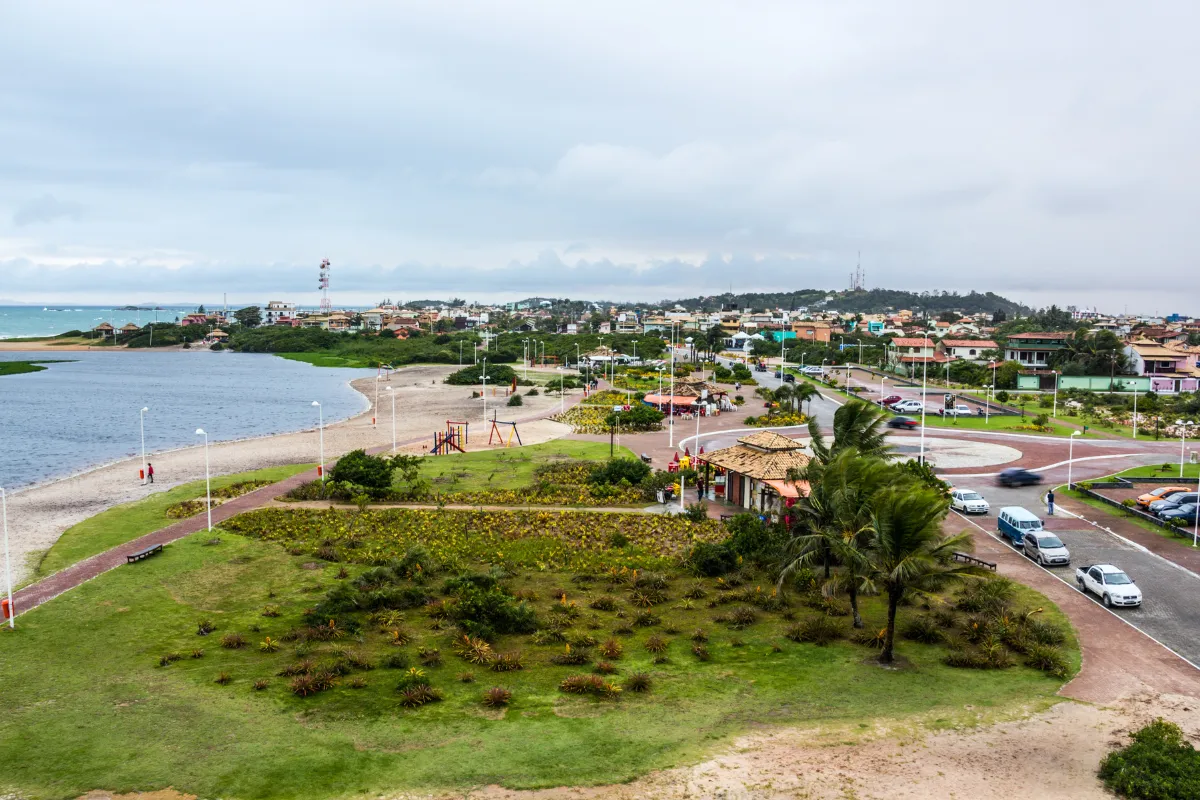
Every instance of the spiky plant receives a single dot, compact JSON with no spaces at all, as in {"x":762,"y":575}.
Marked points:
{"x":638,"y":682}
{"x":260,"y":684}
{"x":604,"y":603}
{"x":267,"y":645}
{"x":223,"y":678}
{"x":233,"y":641}
{"x":611,"y":648}
{"x":507,"y":662}
{"x":700,"y":651}
{"x":657,"y":644}
{"x":699,"y":635}
{"x":497,"y":697}
{"x":473,"y":650}
{"x":605,"y":667}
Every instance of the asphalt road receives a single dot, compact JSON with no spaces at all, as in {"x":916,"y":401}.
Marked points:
{"x":1169,"y":611}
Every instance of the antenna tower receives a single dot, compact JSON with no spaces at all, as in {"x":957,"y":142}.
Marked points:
{"x":326,"y":306}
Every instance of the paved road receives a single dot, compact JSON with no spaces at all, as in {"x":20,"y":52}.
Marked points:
{"x":1169,"y":613}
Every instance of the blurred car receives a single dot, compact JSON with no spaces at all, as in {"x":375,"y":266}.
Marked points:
{"x":1172,"y":501}
{"x":890,"y":400}
{"x":1160,"y":493}
{"x":903,"y":423}
{"x":1015,"y":476}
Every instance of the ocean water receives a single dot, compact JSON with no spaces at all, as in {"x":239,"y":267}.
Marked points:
{"x":23,"y":321}
{"x":81,"y":414}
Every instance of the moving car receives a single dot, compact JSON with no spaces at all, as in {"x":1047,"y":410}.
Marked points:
{"x":1014,"y":522}
{"x":1046,"y":549}
{"x":907,"y":406}
{"x":1184,"y":511}
{"x":968,"y":502}
{"x":890,"y":399}
{"x":1146,"y":499}
{"x":904,"y":423}
{"x":1015,"y":476}
{"x":1111,"y":585}
{"x":1172,"y":501}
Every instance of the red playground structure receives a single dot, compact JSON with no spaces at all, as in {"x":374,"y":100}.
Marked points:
{"x":455,"y":438}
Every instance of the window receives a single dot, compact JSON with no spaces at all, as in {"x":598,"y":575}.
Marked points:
{"x":972,"y":352}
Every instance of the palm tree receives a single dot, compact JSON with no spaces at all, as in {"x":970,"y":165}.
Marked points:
{"x":805,"y":392}
{"x":835,"y":523}
{"x":857,"y":425}
{"x":784,"y":394}
{"x":908,"y":551}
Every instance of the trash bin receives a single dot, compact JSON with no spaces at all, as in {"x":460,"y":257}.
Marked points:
{"x":662,"y":497}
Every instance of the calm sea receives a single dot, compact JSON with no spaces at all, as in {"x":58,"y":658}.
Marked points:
{"x":76,"y":415}
{"x":23,"y":321}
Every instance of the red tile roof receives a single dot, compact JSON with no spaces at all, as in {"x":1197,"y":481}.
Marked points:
{"x":914,"y":342}
{"x":984,"y":343}
{"x":1062,"y":336}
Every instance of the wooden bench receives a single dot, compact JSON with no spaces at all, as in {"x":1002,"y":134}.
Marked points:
{"x":146,"y":553}
{"x":967,"y":558}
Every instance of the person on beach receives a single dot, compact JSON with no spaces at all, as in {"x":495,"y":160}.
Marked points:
{"x":150,"y":473}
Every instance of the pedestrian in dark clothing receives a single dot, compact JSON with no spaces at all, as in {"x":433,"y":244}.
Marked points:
{"x":150,"y":473}
{"x":1050,"y":502}
{"x":700,"y":491}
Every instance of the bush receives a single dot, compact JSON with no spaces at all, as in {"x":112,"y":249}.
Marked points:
{"x":638,"y":682}
{"x":616,"y":470}
{"x":485,"y":609}
{"x":360,"y":469}
{"x":516,"y":400}
{"x":1158,"y":765}
{"x":696,"y":512}
{"x":1048,"y":659}
{"x":1001,"y":396}
{"x":819,"y":630}
{"x":923,"y":629}
{"x":711,"y":560}
{"x":497,"y":374}
{"x":637,"y":418}
{"x":754,"y":540}
{"x":497,"y":697}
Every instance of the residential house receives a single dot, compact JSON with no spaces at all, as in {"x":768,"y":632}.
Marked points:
{"x":104,"y":329}
{"x":129,"y":328}
{"x":193,"y":319}
{"x":1170,"y":371}
{"x":966,"y":349}
{"x":1034,"y":350}
{"x":811,"y":331}
{"x":909,"y":350}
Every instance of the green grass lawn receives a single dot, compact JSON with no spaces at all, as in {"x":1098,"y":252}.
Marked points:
{"x":326,"y":360}
{"x":1006,"y":423}
{"x":86,"y":704}
{"x":23,"y":367}
{"x":1156,"y":471}
{"x":123,"y":523}
{"x":511,"y":468}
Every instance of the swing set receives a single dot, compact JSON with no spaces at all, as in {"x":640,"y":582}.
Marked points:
{"x":456,"y":436}
{"x":496,"y":436}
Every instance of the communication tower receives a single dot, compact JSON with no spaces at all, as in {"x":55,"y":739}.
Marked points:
{"x":326,"y":306}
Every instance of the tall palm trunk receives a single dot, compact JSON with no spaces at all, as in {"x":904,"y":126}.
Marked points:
{"x":887,"y":657}
{"x":852,"y":591}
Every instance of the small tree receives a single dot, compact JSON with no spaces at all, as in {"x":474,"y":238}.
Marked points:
{"x":250,"y":316}
{"x":360,"y":469}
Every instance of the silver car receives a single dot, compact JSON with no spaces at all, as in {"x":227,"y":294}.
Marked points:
{"x":1046,"y":549}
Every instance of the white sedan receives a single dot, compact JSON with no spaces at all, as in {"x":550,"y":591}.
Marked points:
{"x":1111,"y":585}
{"x":968,"y":502}
{"x":907,"y":406}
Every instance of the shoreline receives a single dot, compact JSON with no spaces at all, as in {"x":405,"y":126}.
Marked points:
{"x":39,"y":514}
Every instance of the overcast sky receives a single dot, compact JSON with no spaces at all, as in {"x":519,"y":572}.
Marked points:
{"x":175,"y":151}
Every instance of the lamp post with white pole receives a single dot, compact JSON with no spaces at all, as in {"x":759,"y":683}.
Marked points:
{"x":1071,"y":454}
{"x":1135,"y":415}
{"x":207,"y":477}
{"x":1054,"y":411}
{"x":392,"y":392}
{"x":483,"y":377}
{"x":12,"y":612}
{"x":1183,"y":428}
{"x":460,"y":344}
{"x":320,"y":439}
{"x":671,"y":415}
{"x":882,"y":378}
{"x":142,"y":422}
{"x":987,"y":403}
{"x":924,"y":374}
{"x":375,"y":410}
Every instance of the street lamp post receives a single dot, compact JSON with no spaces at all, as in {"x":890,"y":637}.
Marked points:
{"x":987,"y":403}
{"x":483,"y":377}
{"x":1183,"y":427}
{"x":1135,"y":415}
{"x":1071,"y":454}
{"x":924,"y":373}
{"x":460,"y":344}
{"x":882,"y":378}
{"x":1054,"y":411}
{"x":12,"y":612}
{"x":142,"y":422}
{"x":392,"y":392}
{"x":320,"y":440}
{"x":207,"y":478}
{"x":375,"y":410}
{"x":671,"y":407}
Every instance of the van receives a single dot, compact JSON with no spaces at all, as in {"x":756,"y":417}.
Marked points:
{"x":1014,"y":522}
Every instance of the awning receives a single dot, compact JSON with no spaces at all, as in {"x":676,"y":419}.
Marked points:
{"x":665,"y":399}
{"x":789,"y":489}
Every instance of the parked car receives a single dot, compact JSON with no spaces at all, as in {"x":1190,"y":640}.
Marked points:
{"x":1015,"y":476}
{"x":907,"y":407}
{"x":958,"y":411}
{"x":1184,"y":511}
{"x":890,"y":399}
{"x":968,"y":502}
{"x":1047,"y":549}
{"x":1161,"y":492}
{"x":1111,"y":585}
{"x":813,"y":370}
{"x":1014,"y":522}
{"x":904,"y":423}
{"x":1172,"y":501}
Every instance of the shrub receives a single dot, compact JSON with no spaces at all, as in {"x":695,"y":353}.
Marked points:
{"x":711,"y":560}
{"x":605,"y":667}
{"x":419,"y":695}
{"x":360,"y":469}
{"x":589,"y":684}
{"x":742,"y":617}
{"x":645,"y":619}
{"x":223,"y":678}
{"x":473,"y":650}
{"x":198,"y":653}
{"x":466,"y":677}
{"x":271,"y":611}
{"x":572,"y":657}
{"x":699,"y":635}
{"x":472,"y":376}
{"x":700,"y":651}
{"x":168,"y":659}
{"x":657,"y":644}
{"x":1158,"y":764}
{"x":604,"y":603}
{"x":923,"y":629}
{"x":1046,"y":633}
{"x":990,"y":596}
{"x":696,"y":512}
{"x":357,"y":683}
{"x":507,"y":662}
{"x":267,"y":645}
{"x":516,"y":400}
{"x":233,"y":641}
{"x":818,"y":630}
{"x":430,"y":656}
{"x":204,"y":627}
{"x":396,"y":661}
{"x":611,"y":649}
{"x":532,"y":393}
{"x":870,"y":638}
{"x":755,"y":541}
{"x":260,"y":684}
{"x":1048,"y":659}
{"x":615,"y":470}
{"x":638,"y":682}
{"x":496,"y":697}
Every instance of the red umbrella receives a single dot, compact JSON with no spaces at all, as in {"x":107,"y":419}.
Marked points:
{"x":701,"y":450}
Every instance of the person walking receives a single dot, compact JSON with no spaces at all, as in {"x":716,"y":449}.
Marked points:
{"x":699,"y":491}
{"x":149,"y":473}
{"x":1050,"y":503}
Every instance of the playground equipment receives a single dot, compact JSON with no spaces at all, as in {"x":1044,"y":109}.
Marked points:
{"x":497,"y":437}
{"x":456,"y":436}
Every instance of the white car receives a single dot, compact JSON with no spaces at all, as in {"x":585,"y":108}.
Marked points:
{"x":1111,"y":585}
{"x":968,"y":502}
{"x":959,"y":410}
{"x":907,"y":407}
{"x":812,"y":370}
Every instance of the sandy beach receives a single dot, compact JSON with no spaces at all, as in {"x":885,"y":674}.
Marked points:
{"x":38,"y":515}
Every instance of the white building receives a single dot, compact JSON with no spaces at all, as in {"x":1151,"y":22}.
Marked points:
{"x":275,"y":311}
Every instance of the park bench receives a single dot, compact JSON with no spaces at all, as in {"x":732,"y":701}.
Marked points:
{"x":967,"y":558}
{"x":645,"y":458}
{"x":144,"y":553}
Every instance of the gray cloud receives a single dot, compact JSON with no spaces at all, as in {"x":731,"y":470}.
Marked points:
{"x":476,"y":148}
